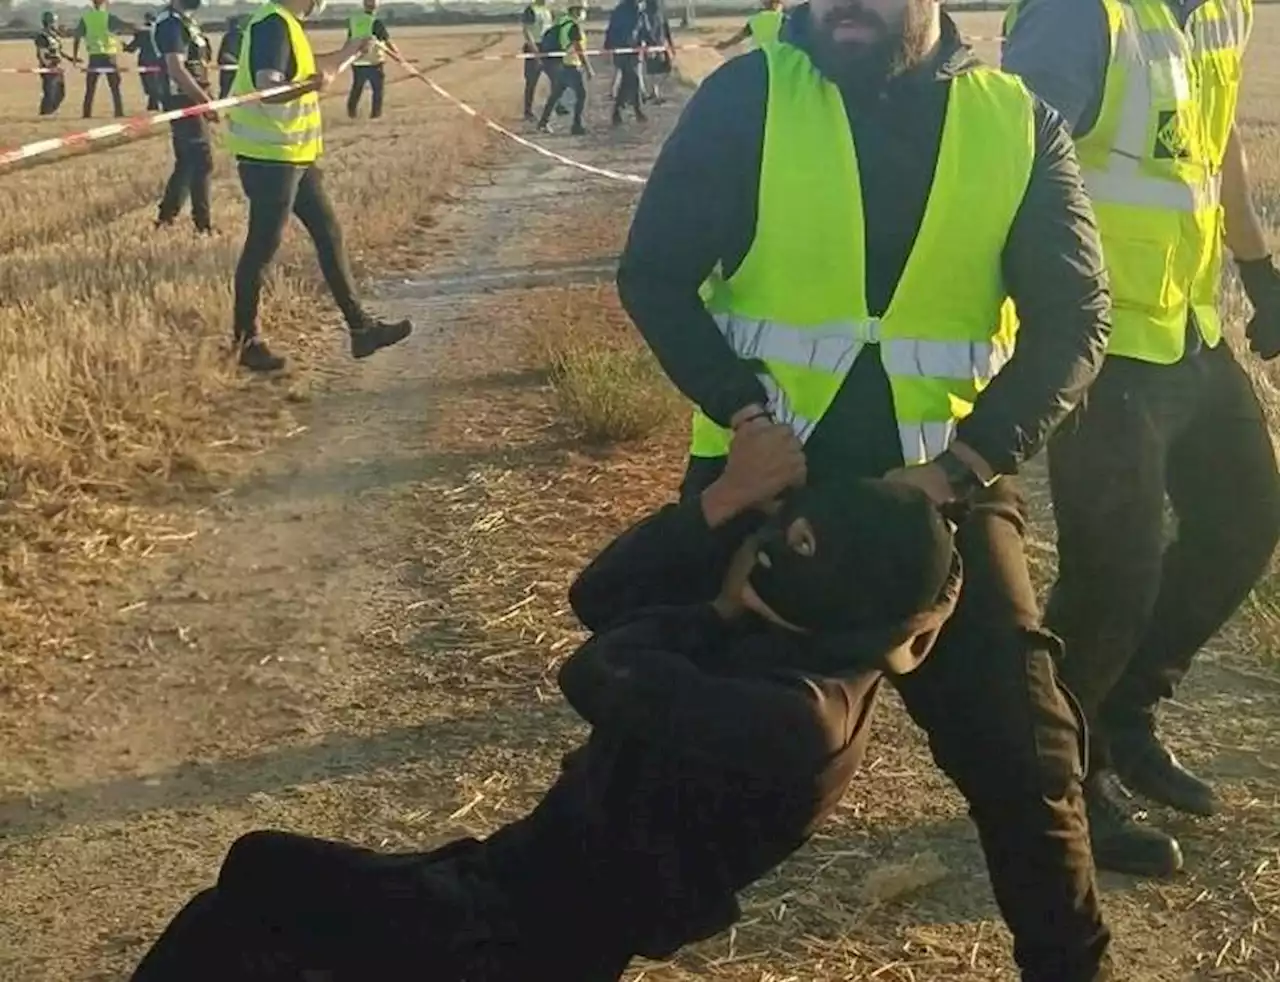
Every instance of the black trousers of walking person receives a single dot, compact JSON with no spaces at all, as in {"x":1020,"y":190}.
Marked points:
{"x":275,"y":192}
{"x":53,"y":89}
{"x":1132,"y":610}
{"x":568,"y":78}
{"x":192,"y":175}
{"x":152,"y":88}
{"x":628,"y":94}
{"x":96,"y":66}
{"x":534,"y":69}
{"x":374,"y":76}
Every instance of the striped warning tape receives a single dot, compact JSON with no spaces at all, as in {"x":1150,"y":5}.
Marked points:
{"x":516,"y":137}
{"x":140,"y":70}
{"x":138,"y":124}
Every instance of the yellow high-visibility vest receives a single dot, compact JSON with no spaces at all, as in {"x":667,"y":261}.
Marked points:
{"x":765,"y":27}
{"x":290,"y":132}
{"x":98,"y":39}
{"x":1152,"y":163}
{"x":565,"y":25}
{"x":361,"y":26}
{"x":798,"y":301}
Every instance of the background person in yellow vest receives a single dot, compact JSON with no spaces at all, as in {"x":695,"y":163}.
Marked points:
{"x":97,"y":29}
{"x":815,"y":250}
{"x":535,"y":20}
{"x":575,"y":68}
{"x":1173,"y":414}
{"x":761,"y":28}
{"x":277,"y":144}
{"x":368,"y":70}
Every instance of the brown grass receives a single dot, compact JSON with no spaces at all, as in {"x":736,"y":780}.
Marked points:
{"x":113,"y":373}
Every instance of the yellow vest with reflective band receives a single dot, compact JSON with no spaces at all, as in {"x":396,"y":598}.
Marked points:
{"x":361,"y":26}
{"x":564,"y":25}
{"x":1152,"y":164}
{"x":798,"y":301}
{"x":289,"y":132}
{"x":765,"y":26}
{"x":98,"y":39}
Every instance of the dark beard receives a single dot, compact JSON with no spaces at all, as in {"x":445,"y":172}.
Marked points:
{"x":860,"y":67}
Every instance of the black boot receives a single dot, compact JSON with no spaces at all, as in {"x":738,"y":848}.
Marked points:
{"x":375,"y":334}
{"x":257,"y":357}
{"x":1150,"y":769}
{"x":1120,"y":842}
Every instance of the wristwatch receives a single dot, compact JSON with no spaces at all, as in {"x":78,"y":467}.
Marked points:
{"x":963,"y":479}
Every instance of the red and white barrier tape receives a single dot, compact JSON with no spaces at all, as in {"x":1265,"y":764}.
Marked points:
{"x":139,"y":124}
{"x":502,"y":130}
{"x":140,"y":70}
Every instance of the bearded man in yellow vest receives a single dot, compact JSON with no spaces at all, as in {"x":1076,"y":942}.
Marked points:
{"x":1150,"y":88}
{"x":826,"y":248}
{"x":96,"y":30}
{"x":278,"y":143}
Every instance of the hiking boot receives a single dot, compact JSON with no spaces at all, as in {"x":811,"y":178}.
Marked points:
{"x":378,"y":334}
{"x":257,"y":357}
{"x":1150,"y":769}
{"x":1120,"y":841}
{"x":578,"y":130}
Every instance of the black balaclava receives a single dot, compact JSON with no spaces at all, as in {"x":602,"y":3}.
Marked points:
{"x":883,"y":553}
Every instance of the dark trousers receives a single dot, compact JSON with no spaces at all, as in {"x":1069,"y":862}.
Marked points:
{"x":628,"y":84}
{"x":361,"y":75}
{"x":638,"y":848}
{"x":568,"y":78}
{"x":1009,"y":737}
{"x":192,"y":169}
{"x":1132,"y":610}
{"x":53,"y":89}
{"x":534,"y":69}
{"x":275,"y":192}
{"x":113,"y":83}
{"x":152,"y":88}
{"x":225,"y":78}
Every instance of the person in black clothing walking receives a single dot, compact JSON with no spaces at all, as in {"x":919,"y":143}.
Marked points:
{"x":229,"y":54}
{"x":149,"y":67}
{"x":721,"y":739}
{"x":50,"y":58}
{"x":626,"y":26}
{"x":535,"y":21}
{"x":854,"y":188}
{"x":655,"y":34}
{"x":184,"y":82}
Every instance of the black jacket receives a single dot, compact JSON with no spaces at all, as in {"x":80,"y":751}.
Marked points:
{"x":699,"y":208}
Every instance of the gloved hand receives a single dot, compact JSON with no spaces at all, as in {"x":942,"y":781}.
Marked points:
{"x":1261,"y":281}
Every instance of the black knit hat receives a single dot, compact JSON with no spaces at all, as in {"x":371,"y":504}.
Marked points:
{"x":882,"y":553}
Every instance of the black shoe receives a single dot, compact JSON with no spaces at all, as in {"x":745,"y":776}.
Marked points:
{"x":164,"y":223}
{"x":257,"y":357}
{"x":378,"y":334}
{"x":578,"y":130}
{"x":1150,"y":769}
{"x":641,"y":117}
{"x":545,"y":128}
{"x":1120,"y":842}
{"x":616,"y":119}
{"x":529,"y":117}
{"x":562,"y":110}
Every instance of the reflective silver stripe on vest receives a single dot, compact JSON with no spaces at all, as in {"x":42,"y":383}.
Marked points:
{"x":273,"y":137}
{"x":783,"y":412}
{"x":834,"y":347}
{"x":1162,"y":54}
{"x":924,"y":441}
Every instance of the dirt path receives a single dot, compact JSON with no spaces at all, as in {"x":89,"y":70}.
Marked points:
{"x":358,"y":643}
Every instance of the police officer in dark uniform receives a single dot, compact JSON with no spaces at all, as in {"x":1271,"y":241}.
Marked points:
{"x":229,"y":55}
{"x":149,"y":71}
{"x":186,"y":55}
{"x":50,"y":56}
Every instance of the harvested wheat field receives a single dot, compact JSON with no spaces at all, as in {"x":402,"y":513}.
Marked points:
{"x":335,"y":602}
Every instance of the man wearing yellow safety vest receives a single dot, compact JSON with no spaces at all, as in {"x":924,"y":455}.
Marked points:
{"x":1150,"y":88}
{"x":368,"y":69}
{"x":826,"y":247}
{"x":277,"y":143}
{"x":97,"y":29}
{"x":762,"y":28}
{"x":535,"y":20}
{"x":568,"y":38}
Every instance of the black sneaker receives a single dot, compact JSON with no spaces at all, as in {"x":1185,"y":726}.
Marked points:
{"x":529,"y":117}
{"x":257,"y":357}
{"x":378,"y":334}
{"x":1150,"y":769}
{"x":1120,"y":841}
{"x":578,"y":130}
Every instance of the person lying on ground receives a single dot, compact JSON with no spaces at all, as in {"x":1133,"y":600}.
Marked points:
{"x":723,"y":734}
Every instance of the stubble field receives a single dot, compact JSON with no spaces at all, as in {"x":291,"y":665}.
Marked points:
{"x":335,"y":602}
